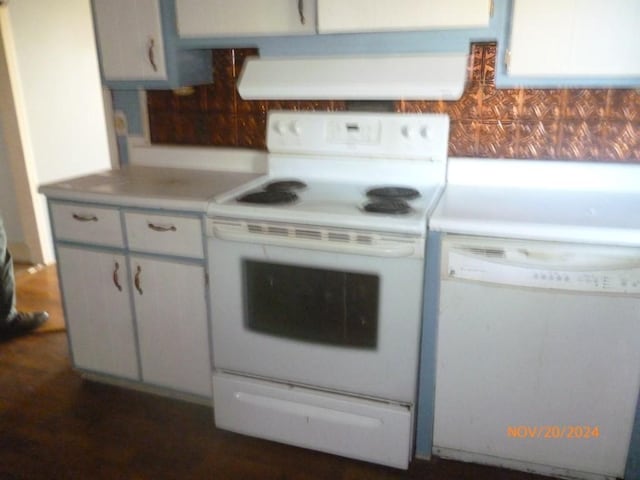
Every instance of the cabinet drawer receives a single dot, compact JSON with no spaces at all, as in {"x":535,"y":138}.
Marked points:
{"x":87,"y":224}
{"x":172,"y":235}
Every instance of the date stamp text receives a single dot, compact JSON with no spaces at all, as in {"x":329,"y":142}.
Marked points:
{"x":579,"y":432}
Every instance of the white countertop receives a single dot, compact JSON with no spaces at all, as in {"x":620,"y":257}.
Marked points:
{"x":541,"y":200}
{"x":155,"y":182}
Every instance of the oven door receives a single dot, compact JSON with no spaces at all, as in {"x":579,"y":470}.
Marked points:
{"x":340,"y":320}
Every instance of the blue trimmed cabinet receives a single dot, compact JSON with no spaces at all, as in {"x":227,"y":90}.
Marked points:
{"x":564,"y":43}
{"x":134,"y":290}
{"x":137,"y":46}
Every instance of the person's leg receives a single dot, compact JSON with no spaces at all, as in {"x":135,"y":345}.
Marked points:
{"x":7,"y":280}
{"x":13,"y":322}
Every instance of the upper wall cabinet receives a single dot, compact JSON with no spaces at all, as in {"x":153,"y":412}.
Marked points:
{"x":340,"y":16}
{"x":131,"y":41}
{"x":137,"y":46}
{"x":580,"y":41}
{"x":245,"y":18}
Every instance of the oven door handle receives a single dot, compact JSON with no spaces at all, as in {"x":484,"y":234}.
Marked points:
{"x":381,"y":250}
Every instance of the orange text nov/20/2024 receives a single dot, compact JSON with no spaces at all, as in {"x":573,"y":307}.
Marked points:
{"x":581,"y":432}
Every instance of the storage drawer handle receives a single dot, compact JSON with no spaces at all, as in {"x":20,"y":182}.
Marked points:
{"x":161,"y":228}
{"x":137,"y":281}
{"x":116,"y":279}
{"x":151,"y":54}
{"x":85,"y":218}
{"x":301,"y":11}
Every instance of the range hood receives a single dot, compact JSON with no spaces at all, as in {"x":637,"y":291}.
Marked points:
{"x":376,"y":77}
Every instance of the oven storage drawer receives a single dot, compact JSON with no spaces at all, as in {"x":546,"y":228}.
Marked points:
{"x":355,"y":428}
{"x":165,"y":234}
{"x":87,"y":224}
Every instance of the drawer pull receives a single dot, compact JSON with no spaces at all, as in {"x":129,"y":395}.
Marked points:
{"x":85,"y":218}
{"x":116,"y":279}
{"x":162,"y":228}
{"x":137,"y":281}
{"x":151,"y":54}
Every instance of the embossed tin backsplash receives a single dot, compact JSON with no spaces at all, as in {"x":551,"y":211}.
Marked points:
{"x":563,"y":124}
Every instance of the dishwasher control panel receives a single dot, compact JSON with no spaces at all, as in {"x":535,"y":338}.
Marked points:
{"x":572,"y":268}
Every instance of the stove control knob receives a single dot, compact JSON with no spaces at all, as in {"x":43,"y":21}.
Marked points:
{"x":294,"y":128}
{"x":424,"y":132}
{"x":280,"y":128}
{"x":407,"y":132}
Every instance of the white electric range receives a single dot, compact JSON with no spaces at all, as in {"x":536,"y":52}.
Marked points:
{"x":317,"y":294}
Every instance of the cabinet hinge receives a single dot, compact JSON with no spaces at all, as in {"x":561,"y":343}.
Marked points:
{"x":206,"y":279}
{"x":491,"y":8}
{"x":507,"y":60}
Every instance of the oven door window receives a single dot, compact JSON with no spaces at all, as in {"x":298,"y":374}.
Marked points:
{"x":311,"y":304}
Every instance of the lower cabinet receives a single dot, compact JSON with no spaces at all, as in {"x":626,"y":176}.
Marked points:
{"x":136,"y":306}
{"x":98,"y":311}
{"x":171,"y":315}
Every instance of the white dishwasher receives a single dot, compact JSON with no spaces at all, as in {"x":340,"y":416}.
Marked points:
{"x":538,"y":355}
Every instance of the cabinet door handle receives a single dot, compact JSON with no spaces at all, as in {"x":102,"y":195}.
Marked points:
{"x":116,"y":279}
{"x":161,"y":228}
{"x":151,"y":54}
{"x":84,"y":218}
{"x":301,"y":11}
{"x":137,"y":281}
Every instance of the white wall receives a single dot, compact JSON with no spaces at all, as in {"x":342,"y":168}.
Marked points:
{"x":56,"y":85}
{"x":8,"y":204}
{"x":16,"y":202}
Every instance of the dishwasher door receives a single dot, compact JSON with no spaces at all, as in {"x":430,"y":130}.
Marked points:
{"x":538,"y":355}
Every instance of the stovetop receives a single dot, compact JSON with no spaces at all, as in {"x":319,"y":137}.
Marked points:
{"x":329,"y":161}
{"x":330,"y":203}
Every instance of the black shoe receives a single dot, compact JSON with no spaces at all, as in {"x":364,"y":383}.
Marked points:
{"x":21,"y":323}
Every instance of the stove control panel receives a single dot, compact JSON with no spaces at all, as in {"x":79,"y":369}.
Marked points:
{"x":392,"y":135}
{"x":365,"y":131}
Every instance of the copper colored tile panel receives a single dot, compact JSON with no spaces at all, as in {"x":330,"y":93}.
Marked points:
{"x":192,"y":128}
{"x":223,"y":64}
{"x":497,"y":139}
{"x":619,"y":141}
{"x":194,"y":102}
{"x":282,"y":105}
{"x":223,"y":130}
{"x":499,"y":104}
{"x":624,"y":105}
{"x":321,"y":105}
{"x":239,"y":56}
{"x":580,"y":140}
{"x":250,"y":106}
{"x":587,"y":105}
{"x":162,"y":127}
{"x":221,"y":97}
{"x":463,"y":138}
{"x":476,"y":74}
{"x":252,"y":131}
{"x":160,"y":100}
{"x":490,"y":52}
{"x":467,"y":108}
{"x":538,"y":139}
{"x":567,"y":124}
{"x":542,"y":104}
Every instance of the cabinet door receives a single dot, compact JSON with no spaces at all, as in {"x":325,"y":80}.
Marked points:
{"x":336,"y":16}
{"x":225,"y":18}
{"x":171,"y":314}
{"x":565,"y":38}
{"x":130,"y":39}
{"x":98,"y":311}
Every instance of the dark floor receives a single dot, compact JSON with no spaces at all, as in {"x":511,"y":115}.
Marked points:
{"x":54,"y":425}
